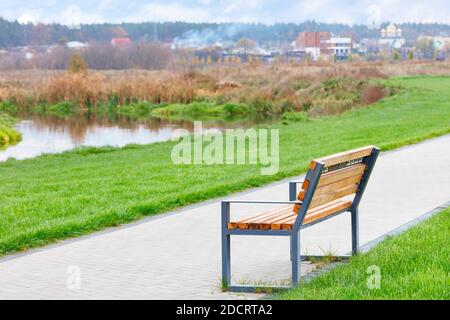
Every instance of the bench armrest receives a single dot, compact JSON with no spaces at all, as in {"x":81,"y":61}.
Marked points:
{"x":262,"y":201}
{"x":293,"y":189}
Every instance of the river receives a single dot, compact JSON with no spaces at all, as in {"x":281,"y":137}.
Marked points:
{"x":42,"y":135}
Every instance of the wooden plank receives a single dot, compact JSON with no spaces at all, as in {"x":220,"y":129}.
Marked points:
{"x":346,"y":156}
{"x":314,"y":214}
{"x":327,"y":211}
{"x":333,"y":195}
{"x":332,"y":186}
{"x":243,"y":224}
{"x":297,"y":207}
{"x":277,"y":225}
{"x":330,"y":177}
{"x":266,"y":224}
{"x":266,"y":214}
{"x":305,"y":184}
{"x":338,"y":185}
{"x":255,"y":223}
{"x":317,"y":214}
{"x":282,"y":218}
{"x":335,"y":176}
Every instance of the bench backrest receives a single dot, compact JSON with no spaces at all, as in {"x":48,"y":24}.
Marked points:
{"x":337,"y":176}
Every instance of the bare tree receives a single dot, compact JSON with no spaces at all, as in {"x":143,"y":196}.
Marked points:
{"x":246,"y":44}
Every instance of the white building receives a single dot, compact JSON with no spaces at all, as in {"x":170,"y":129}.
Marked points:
{"x":76,"y":45}
{"x":440,"y":43}
{"x":391,"y":37}
{"x":340,"y":46}
{"x":391,"y":31}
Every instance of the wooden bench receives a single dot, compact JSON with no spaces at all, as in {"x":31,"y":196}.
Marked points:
{"x":332,"y":185}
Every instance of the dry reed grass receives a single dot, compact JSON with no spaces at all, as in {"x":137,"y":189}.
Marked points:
{"x":281,"y":84}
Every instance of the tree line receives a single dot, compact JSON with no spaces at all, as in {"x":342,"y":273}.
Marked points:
{"x":14,"y":34}
{"x":101,"y":56}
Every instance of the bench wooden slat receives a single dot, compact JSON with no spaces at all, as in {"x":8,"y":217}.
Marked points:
{"x":244,"y":223}
{"x":343,"y":204}
{"x":338,"y":185}
{"x":277,"y":225}
{"x":316,"y":214}
{"x":285,"y":217}
{"x":331,"y":177}
{"x":333,"y":195}
{"x":332,"y":186}
{"x":264,"y":225}
{"x":345,"y":156}
{"x":255,"y":224}
{"x":266,"y":214}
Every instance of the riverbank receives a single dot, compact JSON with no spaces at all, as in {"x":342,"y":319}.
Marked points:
{"x":317,"y":88}
{"x":65,"y":97}
{"x":58,"y":196}
{"x":8,"y":135}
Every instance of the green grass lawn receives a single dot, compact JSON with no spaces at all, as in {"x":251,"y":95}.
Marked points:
{"x":57,"y":196}
{"x":413,"y":265}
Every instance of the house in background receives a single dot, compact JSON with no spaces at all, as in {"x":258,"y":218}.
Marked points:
{"x":323,"y":44}
{"x":441,"y":43}
{"x":340,"y":47}
{"x":391,"y":37}
{"x":76,"y":45}
{"x":312,"y":43}
{"x":391,"y":31}
{"x":122,"y":43}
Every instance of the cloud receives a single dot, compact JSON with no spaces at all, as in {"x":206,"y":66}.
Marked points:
{"x":71,"y":15}
{"x":409,"y":11}
{"x":170,"y":12}
{"x":27,"y":18}
{"x":74,"y":15}
{"x":268,"y":11}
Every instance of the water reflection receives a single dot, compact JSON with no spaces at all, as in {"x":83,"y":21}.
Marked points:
{"x":53,"y":135}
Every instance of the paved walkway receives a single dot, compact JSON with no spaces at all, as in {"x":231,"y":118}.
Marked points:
{"x":177,"y":255}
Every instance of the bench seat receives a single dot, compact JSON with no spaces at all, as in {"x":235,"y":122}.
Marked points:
{"x":283,"y":218}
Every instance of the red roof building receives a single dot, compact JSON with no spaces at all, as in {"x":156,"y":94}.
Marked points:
{"x":121,"y":42}
{"x":312,"y":40}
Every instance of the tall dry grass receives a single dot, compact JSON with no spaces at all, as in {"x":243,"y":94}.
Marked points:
{"x":288,"y":86}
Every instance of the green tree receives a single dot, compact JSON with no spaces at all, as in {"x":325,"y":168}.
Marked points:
{"x":396,"y":55}
{"x":411,"y":55}
{"x":62,"y":41}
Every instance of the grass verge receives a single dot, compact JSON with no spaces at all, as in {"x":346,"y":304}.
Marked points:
{"x":58,"y":196}
{"x":413,"y":265}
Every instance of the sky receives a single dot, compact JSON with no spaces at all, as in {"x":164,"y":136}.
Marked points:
{"x":266,"y":11}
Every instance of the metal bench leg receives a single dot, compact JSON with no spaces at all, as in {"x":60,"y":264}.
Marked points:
{"x":226,"y":261}
{"x":226,"y":240}
{"x":295,"y":257}
{"x":355,"y":230}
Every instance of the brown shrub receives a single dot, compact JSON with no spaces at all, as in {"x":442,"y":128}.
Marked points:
{"x":226,"y":84}
{"x":372,"y":94}
{"x":370,"y":73}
